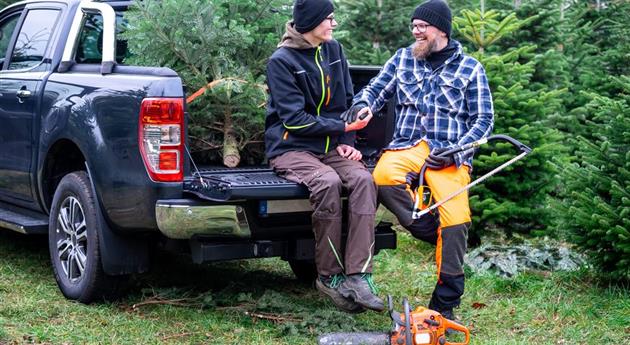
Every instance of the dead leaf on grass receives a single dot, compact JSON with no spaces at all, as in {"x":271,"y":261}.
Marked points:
{"x":478,"y":305}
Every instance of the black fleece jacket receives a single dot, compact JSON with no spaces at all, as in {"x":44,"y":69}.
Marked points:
{"x":308,"y":89}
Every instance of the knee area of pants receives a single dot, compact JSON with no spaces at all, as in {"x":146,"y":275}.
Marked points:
{"x":423,"y":233}
{"x":424,"y":227}
{"x":428,"y":221}
{"x":363,"y":178}
{"x":383,"y":178}
{"x":330,"y":179}
{"x":423,"y":236}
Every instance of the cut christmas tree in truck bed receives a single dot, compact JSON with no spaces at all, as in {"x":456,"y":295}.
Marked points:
{"x":93,"y":156}
{"x":219,"y":48}
{"x":229,"y":98}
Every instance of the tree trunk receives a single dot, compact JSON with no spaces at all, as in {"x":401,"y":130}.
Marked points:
{"x":482,"y":32}
{"x":231,"y":156}
{"x":376,"y":43}
{"x":517,"y":4}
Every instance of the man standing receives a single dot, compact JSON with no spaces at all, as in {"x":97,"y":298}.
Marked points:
{"x":306,"y":142}
{"x":443,"y":101}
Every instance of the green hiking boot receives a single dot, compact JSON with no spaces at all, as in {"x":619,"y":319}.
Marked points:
{"x":361,"y":289}
{"x":329,"y":286}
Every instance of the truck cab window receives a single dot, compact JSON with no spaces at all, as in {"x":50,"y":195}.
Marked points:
{"x":6,"y":30}
{"x":32,"y":40}
{"x":90,"y":48}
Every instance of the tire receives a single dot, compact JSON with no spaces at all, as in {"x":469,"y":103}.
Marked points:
{"x":304,"y":270}
{"x":73,"y":241}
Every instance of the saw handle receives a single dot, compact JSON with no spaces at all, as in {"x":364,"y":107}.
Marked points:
{"x":448,"y":324}
{"x":497,"y":137}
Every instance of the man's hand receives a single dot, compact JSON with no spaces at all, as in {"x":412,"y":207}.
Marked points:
{"x":436,"y":163}
{"x":350,"y":115}
{"x":364,"y":117}
{"x":349,"y":152}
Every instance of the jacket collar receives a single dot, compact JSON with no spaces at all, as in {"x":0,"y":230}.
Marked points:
{"x":294,"y":39}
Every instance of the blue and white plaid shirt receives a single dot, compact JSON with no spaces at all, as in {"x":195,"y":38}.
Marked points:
{"x":446,"y":107}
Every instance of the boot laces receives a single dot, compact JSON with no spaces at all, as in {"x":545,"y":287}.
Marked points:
{"x":368,"y":278}
{"x":336,"y":280}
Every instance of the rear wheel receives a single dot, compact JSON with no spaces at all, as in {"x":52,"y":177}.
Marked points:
{"x":73,"y":241}
{"x":304,"y":270}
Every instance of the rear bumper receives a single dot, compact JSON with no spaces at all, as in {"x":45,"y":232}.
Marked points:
{"x":222,"y":232}
{"x":288,"y":249}
{"x":184,"y":218}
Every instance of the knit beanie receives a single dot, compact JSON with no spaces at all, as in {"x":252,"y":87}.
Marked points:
{"x":436,"y":13}
{"x":308,"y":14}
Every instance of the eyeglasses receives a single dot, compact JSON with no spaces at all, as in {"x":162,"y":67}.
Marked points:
{"x":420,"y":27}
{"x":331,"y":19}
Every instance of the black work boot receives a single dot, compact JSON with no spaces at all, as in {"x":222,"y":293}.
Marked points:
{"x":448,"y":314}
{"x":358,"y":287}
{"x":329,"y":285}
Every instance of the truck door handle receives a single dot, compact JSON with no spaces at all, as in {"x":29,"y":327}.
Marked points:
{"x":22,"y":94}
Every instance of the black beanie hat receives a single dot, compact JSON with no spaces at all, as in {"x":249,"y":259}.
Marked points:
{"x":308,"y":14}
{"x":436,"y":13}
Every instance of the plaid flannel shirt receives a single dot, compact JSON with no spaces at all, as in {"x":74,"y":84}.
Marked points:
{"x":449,"y":106}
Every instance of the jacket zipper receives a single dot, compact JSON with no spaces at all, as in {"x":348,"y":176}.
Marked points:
{"x":321,"y":71}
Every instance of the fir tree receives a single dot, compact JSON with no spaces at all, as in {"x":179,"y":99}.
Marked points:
{"x":372,"y":30}
{"x":595,"y":209}
{"x":5,"y":3}
{"x":597,"y":47}
{"x":219,"y":48}
{"x":513,"y":200}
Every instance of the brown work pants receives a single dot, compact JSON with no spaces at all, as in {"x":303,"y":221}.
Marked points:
{"x":325,"y":175}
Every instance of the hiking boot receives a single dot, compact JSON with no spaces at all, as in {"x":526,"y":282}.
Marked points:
{"x":330,"y":287}
{"x":360,"y":289}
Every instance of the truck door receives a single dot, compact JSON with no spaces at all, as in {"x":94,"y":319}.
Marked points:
{"x":25,"y":64}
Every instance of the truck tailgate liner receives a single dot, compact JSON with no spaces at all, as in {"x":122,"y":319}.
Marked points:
{"x":242,"y":183}
{"x":259,"y":183}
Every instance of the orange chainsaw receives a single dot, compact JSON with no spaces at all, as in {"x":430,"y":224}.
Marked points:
{"x":421,"y":326}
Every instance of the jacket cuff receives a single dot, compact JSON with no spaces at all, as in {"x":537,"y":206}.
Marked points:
{"x":347,"y":138}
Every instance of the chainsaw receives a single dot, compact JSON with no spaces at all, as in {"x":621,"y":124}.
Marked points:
{"x":421,"y":326}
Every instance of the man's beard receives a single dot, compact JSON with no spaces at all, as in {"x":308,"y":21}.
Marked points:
{"x":422,"y":51}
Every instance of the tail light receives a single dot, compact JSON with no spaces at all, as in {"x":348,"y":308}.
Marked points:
{"x":161,"y":139}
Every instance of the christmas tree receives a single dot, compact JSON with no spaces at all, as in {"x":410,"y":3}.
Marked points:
{"x":515,"y":199}
{"x":595,"y":209}
{"x":219,"y":48}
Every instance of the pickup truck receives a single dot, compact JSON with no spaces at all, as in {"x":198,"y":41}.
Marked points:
{"x":93,"y":153}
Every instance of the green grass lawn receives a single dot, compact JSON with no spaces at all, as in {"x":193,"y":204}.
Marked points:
{"x":259,"y":302}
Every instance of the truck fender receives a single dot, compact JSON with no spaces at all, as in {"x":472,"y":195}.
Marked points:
{"x":120,"y":254}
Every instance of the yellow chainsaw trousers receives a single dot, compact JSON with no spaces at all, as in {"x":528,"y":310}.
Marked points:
{"x":394,"y":167}
{"x":395,"y":173}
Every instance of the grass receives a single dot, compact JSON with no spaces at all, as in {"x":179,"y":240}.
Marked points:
{"x":259,"y":302}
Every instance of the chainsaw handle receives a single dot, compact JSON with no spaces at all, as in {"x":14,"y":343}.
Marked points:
{"x":407,"y":310}
{"x":448,"y":324}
